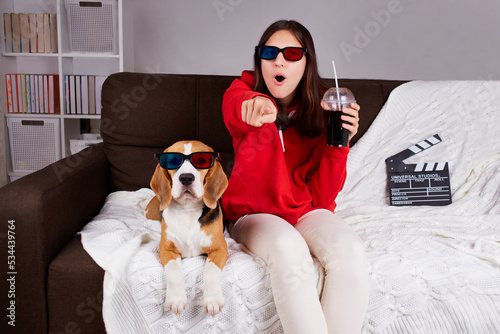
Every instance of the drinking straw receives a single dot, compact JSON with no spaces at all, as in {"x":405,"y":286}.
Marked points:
{"x":336,"y":84}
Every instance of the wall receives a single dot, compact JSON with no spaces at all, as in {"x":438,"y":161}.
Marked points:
{"x":389,"y":39}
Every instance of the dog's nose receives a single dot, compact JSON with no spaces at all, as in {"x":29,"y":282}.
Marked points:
{"x":186,"y":179}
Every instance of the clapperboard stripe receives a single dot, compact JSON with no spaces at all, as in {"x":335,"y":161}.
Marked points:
{"x":429,"y":166}
{"x":440,"y":165}
{"x":417,"y":148}
{"x":418,"y":184}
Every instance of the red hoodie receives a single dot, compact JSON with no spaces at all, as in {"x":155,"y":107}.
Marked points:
{"x":265,"y":179}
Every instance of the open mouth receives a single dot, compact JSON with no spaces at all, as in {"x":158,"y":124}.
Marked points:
{"x":279,"y":78}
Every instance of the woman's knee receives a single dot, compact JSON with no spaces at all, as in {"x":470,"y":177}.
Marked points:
{"x":291,"y":248}
{"x":346,"y":253}
{"x":334,"y":242}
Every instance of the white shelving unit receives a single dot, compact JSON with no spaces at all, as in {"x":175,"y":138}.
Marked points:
{"x":64,"y":62}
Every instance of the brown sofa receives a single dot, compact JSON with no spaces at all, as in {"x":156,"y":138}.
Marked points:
{"x":58,"y":287}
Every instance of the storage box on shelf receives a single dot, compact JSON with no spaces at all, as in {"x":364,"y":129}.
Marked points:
{"x":83,"y":45}
{"x":34,"y":144}
{"x":101,"y":35}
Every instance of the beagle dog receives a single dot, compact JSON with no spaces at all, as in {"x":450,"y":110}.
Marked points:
{"x":188,"y":183}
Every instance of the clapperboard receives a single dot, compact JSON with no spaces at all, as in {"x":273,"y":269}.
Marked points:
{"x":418,"y":184}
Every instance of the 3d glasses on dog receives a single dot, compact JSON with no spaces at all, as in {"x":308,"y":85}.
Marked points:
{"x":200,"y":160}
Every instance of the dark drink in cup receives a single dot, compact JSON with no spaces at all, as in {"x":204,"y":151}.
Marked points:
{"x":336,"y":135}
{"x":333,"y":102}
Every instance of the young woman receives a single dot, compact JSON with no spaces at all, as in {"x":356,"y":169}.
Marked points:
{"x":281,"y":194}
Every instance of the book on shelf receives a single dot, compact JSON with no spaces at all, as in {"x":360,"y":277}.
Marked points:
{"x":7,"y":24}
{"x":32,"y":93}
{"x":82,"y":94}
{"x":30,"y":33}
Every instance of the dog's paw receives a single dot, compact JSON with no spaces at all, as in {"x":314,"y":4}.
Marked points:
{"x":213,"y":303}
{"x":176,"y":304}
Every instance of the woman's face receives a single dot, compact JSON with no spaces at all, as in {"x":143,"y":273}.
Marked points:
{"x":280,"y":75}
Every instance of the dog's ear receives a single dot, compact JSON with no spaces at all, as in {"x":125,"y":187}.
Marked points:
{"x":214,"y":185}
{"x":161,"y":183}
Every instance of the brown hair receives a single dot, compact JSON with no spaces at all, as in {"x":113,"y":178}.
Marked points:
{"x":308,"y":120}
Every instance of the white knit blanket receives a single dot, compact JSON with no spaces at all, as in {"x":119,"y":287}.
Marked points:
{"x":432,"y":269}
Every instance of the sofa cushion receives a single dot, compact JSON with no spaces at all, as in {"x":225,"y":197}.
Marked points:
{"x":136,"y":105}
{"x":211,"y":127}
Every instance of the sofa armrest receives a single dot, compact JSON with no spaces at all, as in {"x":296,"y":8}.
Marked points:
{"x":45,"y":210}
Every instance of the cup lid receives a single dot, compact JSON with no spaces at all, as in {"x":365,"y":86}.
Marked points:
{"x":346,"y":96}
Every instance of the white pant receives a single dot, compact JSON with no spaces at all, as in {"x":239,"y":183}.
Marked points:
{"x":287,"y":251}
